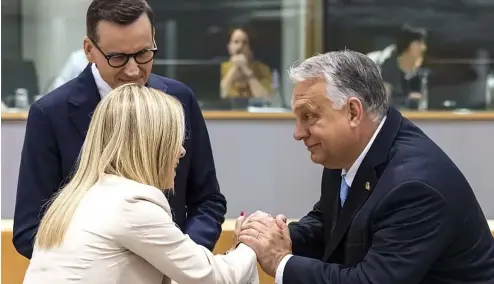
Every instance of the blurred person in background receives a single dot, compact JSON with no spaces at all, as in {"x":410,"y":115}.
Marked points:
{"x":74,"y":66}
{"x":400,"y":67}
{"x":112,"y":222}
{"x":120,"y":47}
{"x":242,"y":76}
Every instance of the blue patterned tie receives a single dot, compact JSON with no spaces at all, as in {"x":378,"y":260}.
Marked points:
{"x":343,"y":190}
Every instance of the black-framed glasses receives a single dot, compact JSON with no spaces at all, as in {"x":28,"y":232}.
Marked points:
{"x":117,"y":60}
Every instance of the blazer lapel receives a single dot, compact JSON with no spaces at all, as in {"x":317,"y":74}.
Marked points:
{"x":365,"y":179}
{"x":330,"y":196}
{"x":84,"y":98}
{"x":156,"y":82}
{"x":360,"y":190}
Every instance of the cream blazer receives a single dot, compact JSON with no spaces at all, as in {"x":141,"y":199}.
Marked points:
{"x":123,"y":232}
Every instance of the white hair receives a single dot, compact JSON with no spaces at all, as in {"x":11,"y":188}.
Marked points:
{"x":347,"y":74}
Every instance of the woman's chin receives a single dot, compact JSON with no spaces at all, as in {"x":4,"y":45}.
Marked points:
{"x":172,"y":182}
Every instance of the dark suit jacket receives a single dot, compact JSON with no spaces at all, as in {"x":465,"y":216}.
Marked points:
{"x":56,"y":129}
{"x":418,"y":221}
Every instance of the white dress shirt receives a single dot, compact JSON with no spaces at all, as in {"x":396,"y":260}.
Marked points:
{"x":74,"y":66}
{"x":103,"y":87}
{"x":123,"y":232}
{"x":349,"y":176}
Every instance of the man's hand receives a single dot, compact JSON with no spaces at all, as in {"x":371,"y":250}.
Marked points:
{"x":268,"y":237}
{"x":280,"y":220}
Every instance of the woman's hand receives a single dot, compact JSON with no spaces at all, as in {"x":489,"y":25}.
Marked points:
{"x":238,"y":224}
{"x":280,"y":220}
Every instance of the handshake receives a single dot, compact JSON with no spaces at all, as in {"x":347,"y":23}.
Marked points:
{"x":268,"y":236}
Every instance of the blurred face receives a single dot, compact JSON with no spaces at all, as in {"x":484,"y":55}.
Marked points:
{"x":417,"y":48}
{"x":330,"y":135}
{"x":171,"y":179}
{"x":114,"y":39}
{"x":239,"y":43}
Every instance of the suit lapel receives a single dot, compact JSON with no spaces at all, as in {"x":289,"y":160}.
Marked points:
{"x":362,"y":186}
{"x":365,"y":180}
{"x":84,"y":98}
{"x":157,"y":83}
{"x":330,"y":196}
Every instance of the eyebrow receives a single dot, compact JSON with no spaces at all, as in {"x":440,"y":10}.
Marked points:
{"x":305,"y":106}
{"x":124,"y":53}
{"x":147,"y":47}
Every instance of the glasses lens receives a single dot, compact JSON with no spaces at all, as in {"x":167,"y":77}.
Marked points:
{"x":145,"y":56}
{"x":117,"y":60}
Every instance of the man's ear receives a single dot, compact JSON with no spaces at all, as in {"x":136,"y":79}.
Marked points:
{"x":355,"y":111}
{"x":88,"y":49}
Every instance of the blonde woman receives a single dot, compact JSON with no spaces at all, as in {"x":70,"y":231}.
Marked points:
{"x":112,"y":223}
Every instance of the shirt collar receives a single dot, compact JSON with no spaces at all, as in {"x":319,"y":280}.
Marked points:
{"x":103,"y":87}
{"x":350,"y":174}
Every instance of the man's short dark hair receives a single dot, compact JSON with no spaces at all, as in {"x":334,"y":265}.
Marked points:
{"x":407,"y":35}
{"x":120,"y":12}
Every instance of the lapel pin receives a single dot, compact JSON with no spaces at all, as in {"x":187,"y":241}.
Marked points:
{"x":367,"y":185}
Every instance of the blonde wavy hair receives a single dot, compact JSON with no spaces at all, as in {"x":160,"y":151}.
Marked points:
{"x":136,"y":133}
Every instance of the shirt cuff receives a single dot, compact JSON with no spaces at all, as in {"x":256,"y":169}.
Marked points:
{"x":281,"y":267}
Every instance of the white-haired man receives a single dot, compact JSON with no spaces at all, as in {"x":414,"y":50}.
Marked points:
{"x":393,"y":207}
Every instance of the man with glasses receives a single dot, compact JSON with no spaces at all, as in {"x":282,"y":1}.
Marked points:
{"x":120,"y":48}
{"x":77,"y":62}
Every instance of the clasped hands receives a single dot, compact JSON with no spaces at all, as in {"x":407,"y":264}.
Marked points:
{"x":268,"y":236}
{"x":241,"y":63}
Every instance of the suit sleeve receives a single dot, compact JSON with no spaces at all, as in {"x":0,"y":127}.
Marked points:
{"x":149,"y":231}
{"x":39,"y":177}
{"x":410,"y":227}
{"x":307,"y":235}
{"x":206,"y":206}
